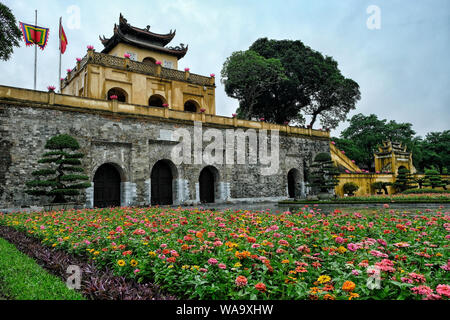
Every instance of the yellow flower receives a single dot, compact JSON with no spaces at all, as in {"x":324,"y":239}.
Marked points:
{"x":121,"y":263}
{"x":152,"y":254}
{"x":285,"y":261}
{"x":341,"y":249}
{"x":170,"y":267}
{"x":237,"y":265}
{"x":133,"y":263}
{"x":185,"y":267}
{"x":323,"y":279}
{"x":96,"y":253}
{"x":353,"y":295}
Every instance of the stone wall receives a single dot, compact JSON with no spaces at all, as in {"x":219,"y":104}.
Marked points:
{"x":133,"y":144}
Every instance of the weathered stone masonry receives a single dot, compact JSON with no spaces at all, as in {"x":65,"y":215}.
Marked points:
{"x":133,"y":144}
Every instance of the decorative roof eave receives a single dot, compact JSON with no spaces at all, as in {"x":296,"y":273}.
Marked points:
{"x":109,"y":44}
{"x":164,"y":39}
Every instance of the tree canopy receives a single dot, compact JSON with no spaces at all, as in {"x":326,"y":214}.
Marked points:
{"x":301,"y":82}
{"x":365,"y":133}
{"x":9,"y":32}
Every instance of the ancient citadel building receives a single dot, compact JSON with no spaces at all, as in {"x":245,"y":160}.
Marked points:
{"x":127,"y":107}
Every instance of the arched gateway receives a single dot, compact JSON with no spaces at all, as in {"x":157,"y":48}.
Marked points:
{"x":107,"y":187}
{"x":207,"y":183}
{"x":161,"y":178}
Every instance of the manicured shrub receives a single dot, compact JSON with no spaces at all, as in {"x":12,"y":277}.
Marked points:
{"x":324,"y":174}
{"x":350,"y":188}
{"x":58,"y":179}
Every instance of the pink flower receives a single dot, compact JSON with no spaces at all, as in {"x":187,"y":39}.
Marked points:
{"x":339,"y":240}
{"x":222,"y":266}
{"x":51,"y":88}
{"x":158,"y":62}
{"x":333,"y":143}
{"x":443,"y":289}
{"x":241,"y":281}
{"x":127,"y":56}
{"x":136,"y":271}
{"x":163,"y":245}
{"x":78,"y":59}
{"x":386,"y":206}
{"x":69,"y":70}
{"x":186,"y":69}
{"x":355,"y":272}
{"x":217,"y":243}
{"x":234,"y":115}
{"x":90,"y":47}
{"x":211,"y":234}
{"x":165,"y":105}
{"x":212,"y":75}
{"x":352,"y":247}
{"x":422,"y":290}
{"x":212,"y":261}
{"x":261,"y":119}
{"x":114,"y":97}
{"x":202,"y":110}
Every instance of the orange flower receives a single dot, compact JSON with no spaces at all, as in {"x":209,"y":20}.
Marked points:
{"x":348,"y":286}
{"x":251,"y":239}
{"x":261,"y":287}
{"x":241,"y":281}
{"x":353,"y":295}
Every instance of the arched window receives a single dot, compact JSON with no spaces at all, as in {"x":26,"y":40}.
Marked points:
{"x":191,"y":106}
{"x":156,"y":101}
{"x":119,"y":93}
{"x":149,"y":60}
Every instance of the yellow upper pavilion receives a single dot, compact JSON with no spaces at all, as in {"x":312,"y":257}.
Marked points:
{"x":137,"y":67}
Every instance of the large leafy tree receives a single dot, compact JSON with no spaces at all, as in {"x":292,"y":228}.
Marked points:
{"x":248,"y":77}
{"x":63,"y":175}
{"x":312,"y":85}
{"x":9,"y":32}
{"x":365,"y":133}
{"x":435,"y":151}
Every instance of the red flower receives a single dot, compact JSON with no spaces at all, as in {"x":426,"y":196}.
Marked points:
{"x":241,"y":281}
{"x":260,"y":287}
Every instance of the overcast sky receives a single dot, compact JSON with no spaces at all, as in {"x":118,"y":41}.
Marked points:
{"x":402,"y":68}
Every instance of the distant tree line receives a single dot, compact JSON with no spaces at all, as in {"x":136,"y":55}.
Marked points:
{"x":361,"y":139}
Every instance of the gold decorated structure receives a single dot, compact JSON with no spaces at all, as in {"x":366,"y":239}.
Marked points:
{"x":137,"y":67}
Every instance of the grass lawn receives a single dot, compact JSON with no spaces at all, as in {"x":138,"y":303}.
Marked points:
{"x":22,"y":279}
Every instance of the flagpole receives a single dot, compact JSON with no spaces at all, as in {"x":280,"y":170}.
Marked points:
{"x":59,"y":79}
{"x":35,"y":53}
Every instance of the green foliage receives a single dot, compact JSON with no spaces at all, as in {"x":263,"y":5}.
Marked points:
{"x":302,"y":83}
{"x":10,"y":34}
{"x":21,"y":278}
{"x":433,"y":179}
{"x":380,"y":185}
{"x":435,"y":151}
{"x":57,"y":179}
{"x":365,"y":133}
{"x":424,"y":190}
{"x":350,"y":188}
{"x":404,"y":180}
{"x":324,"y":174}
{"x":61,"y":142}
{"x":247,"y":76}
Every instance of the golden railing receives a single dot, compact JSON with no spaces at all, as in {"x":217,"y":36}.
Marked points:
{"x":154,"y":70}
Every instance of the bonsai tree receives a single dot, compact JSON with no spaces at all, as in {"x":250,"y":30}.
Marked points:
{"x":380,"y":185}
{"x":404,"y":180}
{"x":420,"y":182}
{"x":433,"y":179}
{"x":350,"y":188}
{"x":62,"y":176}
{"x":324,"y":174}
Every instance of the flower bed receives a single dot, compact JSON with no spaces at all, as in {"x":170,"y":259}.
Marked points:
{"x":259,"y":255}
